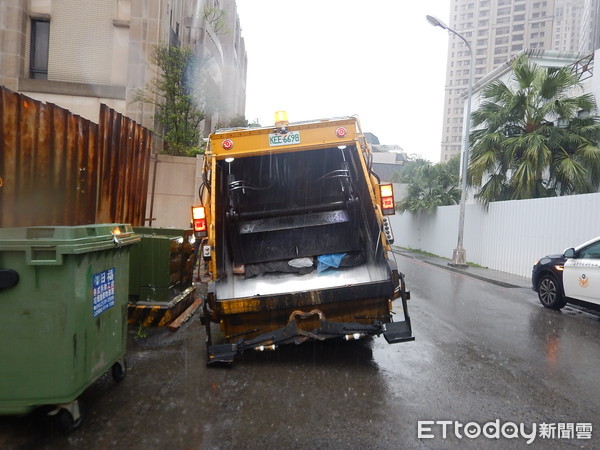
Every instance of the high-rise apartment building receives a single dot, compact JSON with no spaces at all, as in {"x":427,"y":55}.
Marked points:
{"x":589,"y":35}
{"x":496,"y":31}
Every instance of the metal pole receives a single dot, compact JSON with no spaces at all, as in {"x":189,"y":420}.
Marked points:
{"x":459,"y":256}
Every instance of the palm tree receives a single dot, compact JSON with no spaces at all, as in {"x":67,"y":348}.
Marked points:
{"x":536,"y":136}
{"x":429,"y":185}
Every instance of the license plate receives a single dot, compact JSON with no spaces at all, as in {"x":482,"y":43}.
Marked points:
{"x":275,"y":140}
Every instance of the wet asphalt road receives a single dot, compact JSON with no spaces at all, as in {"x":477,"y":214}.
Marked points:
{"x":483,"y":353}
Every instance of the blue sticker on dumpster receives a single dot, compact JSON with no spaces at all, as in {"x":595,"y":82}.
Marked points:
{"x":103,"y":284}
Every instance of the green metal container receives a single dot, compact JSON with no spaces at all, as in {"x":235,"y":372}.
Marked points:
{"x":162,"y":266}
{"x":64,"y":323}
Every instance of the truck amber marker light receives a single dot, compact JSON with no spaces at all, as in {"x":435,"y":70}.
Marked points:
{"x":199,"y":219}
{"x":281,"y":122}
{"x":387,"y":199}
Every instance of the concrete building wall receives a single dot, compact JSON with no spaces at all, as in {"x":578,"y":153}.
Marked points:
{"x":74,"y":34}
{"x":171,"y":198}
{"x":108,"y":45}
{"x":13,"y":19}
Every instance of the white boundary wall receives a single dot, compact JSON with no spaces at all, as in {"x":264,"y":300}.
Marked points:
{"x":510,"y":236}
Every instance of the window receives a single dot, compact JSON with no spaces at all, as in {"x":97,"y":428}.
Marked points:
{"x":591,"y":252}
{"x":38,"y":60}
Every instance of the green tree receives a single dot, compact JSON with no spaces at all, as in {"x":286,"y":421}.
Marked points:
{"x":175,"y":92}
{"x":536,"y":136}
{"x":238,"y":121}
{"x":409,"y":168}
{"x":429,"y":186}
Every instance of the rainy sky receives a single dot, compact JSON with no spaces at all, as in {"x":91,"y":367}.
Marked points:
{"x":378,"y":59}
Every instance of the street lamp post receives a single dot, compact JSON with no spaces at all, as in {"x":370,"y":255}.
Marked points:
{"x":459,"y":256}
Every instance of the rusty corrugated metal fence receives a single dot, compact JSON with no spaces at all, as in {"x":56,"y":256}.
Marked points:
{"x":57,"y":168}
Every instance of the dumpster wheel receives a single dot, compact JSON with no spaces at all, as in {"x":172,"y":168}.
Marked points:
{"x":69,"y":417}
{"x":119,"y":370}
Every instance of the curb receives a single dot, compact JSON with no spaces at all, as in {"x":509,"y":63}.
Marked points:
{"x":472,"y":275}
{"x":464,"y":272}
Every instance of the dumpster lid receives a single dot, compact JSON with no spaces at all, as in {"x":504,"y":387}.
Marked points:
{"x":54,"y":241}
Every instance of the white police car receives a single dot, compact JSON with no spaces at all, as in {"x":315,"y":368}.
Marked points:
{"x":572,"y":277}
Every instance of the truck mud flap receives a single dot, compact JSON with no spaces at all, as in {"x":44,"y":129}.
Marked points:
{"x":396,"y":332}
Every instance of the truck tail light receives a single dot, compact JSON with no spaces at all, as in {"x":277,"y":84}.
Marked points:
{"x":388,"y":206}
{"x":199,"y":220}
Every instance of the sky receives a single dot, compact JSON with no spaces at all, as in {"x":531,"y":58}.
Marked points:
{"x":377,"y":59}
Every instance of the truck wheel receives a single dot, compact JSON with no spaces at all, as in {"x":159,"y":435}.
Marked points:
{"x":549,"y":292}
{"x":119,"y":370}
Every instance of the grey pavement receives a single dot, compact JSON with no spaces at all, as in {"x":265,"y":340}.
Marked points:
{"x":482,"y":273}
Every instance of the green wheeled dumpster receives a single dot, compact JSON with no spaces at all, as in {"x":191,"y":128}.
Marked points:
{"x":160,"y":275}
{"x":63,"y":306}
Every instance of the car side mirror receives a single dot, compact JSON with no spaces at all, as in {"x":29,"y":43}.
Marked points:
{"x":569,"y":253}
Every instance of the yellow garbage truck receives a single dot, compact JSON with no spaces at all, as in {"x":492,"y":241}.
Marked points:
{"x":296,"y":239}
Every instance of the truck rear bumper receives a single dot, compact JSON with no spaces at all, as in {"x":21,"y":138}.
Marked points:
{"x":394,"y":332}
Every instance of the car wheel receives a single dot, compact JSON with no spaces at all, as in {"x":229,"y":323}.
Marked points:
{"x":549,"y":292}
